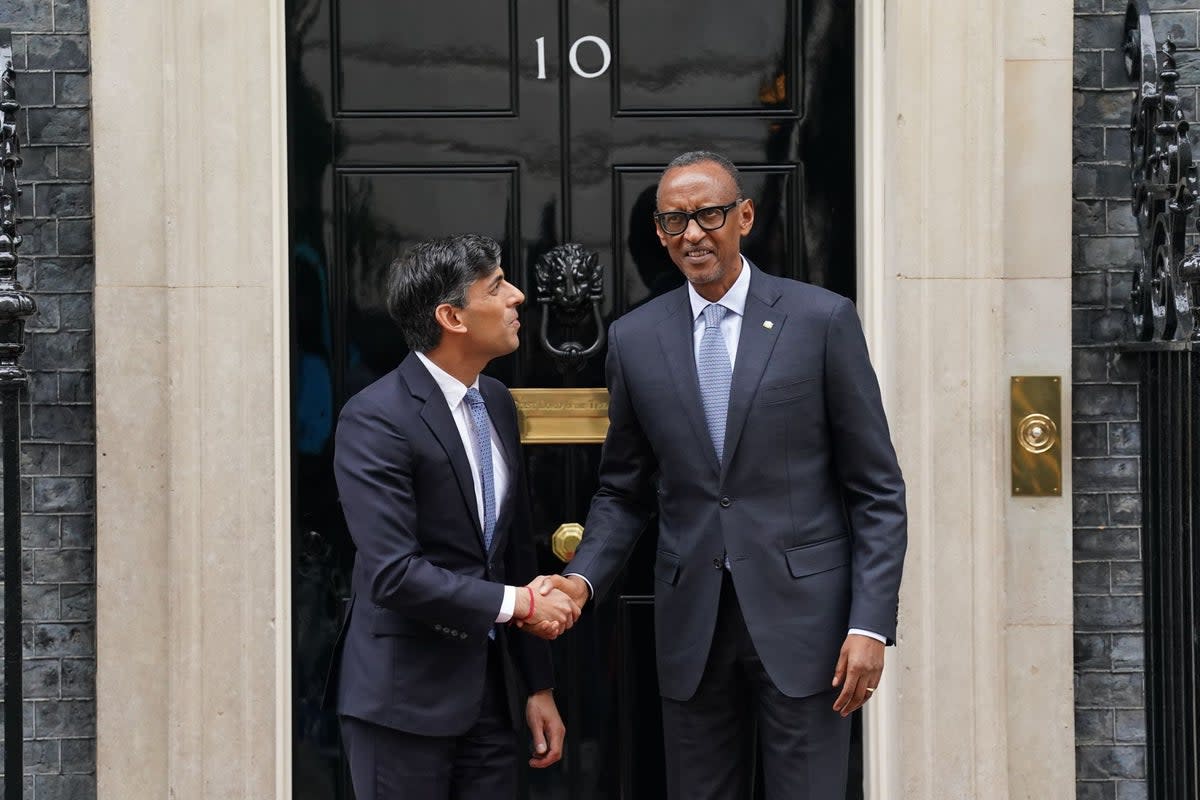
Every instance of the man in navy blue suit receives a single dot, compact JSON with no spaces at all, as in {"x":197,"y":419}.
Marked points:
{"x":744,"y":411}
{"x":429,"y":681}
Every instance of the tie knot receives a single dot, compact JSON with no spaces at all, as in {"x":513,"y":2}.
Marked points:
{"x":713,"y":314}
{"x":474,"y":397}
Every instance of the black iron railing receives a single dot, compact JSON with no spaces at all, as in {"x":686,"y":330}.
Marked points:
{"x":15,"y":307}
{"x":1164,"y":335}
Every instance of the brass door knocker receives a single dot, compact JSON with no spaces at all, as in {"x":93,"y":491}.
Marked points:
{"x":570,"y":287}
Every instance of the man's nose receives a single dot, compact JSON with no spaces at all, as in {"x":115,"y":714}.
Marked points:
{"x":693,"y":232}
{"x":518,"y":297}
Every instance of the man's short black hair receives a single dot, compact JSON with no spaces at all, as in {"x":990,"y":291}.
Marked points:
{"x":435,"y":272}
{"x":699,"y":157}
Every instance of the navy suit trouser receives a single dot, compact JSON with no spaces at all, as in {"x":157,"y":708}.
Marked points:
{"x":710,"y":738}
{"x":387,"y":764}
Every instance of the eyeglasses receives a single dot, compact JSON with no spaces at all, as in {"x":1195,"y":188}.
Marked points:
{"x":709,"y":218}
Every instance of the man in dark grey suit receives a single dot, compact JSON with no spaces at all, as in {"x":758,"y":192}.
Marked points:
{"x":431,"y":482}
{"x":745,"y":411}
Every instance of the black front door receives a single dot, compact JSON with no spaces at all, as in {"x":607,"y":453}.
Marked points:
{"x":542,"y":124}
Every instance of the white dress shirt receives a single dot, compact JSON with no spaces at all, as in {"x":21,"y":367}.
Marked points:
{"x":456,"y":393}
{"x":731,"y":328}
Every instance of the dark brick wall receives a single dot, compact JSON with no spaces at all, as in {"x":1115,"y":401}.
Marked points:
{"x":53,"y":85}
{"x":1109,"y":653}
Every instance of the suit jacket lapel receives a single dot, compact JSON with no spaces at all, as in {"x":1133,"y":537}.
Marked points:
{"x":675,"y":334}
{"x":506,"y":432}
{"x":754,"y":350}
{"x":436,"y":415}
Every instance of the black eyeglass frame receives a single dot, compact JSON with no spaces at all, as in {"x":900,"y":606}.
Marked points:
{"x":688,"y":216}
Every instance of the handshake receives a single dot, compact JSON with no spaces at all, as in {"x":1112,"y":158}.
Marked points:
{"x":551,"y":605}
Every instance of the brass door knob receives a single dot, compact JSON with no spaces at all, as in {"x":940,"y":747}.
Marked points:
{"x":565,"y":541}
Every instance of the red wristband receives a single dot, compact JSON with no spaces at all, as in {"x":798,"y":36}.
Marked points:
{"x":530,"y":612}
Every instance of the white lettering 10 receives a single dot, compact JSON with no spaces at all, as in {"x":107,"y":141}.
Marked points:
{"x":573,"y":57}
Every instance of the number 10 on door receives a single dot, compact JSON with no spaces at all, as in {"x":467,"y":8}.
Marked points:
{"x":573,"y":56}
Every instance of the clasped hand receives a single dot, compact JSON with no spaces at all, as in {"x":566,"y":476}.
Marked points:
{"x":546,"y":611}
{"x":558,"y":602}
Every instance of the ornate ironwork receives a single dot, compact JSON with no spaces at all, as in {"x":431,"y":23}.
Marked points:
{"x":570,"y":288}
{"x":15,"y":306}
{"x":1164,"y":188}
{"x":1165,"y":337}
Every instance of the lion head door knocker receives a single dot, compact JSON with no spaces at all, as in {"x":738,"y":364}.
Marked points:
{"x":570,"y":288}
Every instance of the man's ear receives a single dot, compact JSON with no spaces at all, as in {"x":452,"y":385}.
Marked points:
{"x":746,"y":218}
{"x":450,"y":318}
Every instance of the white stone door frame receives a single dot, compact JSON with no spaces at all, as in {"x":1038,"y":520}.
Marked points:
{"x":193,"y":563}
{"x":870,"y":170}
{"x":964,"y":222}
{"x":965,"y":119}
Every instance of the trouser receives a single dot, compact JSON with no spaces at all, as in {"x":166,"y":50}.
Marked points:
{"x":805,"y":744}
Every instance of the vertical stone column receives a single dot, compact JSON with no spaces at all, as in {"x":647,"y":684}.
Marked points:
{"x":192,"y":397}
{"x":974,"y":289}
{"x":944,"y":308}
{"x":1039,"y":618}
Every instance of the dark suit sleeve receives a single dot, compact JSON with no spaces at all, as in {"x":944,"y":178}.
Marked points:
{"x":532,"y":654}
{"x":625,"y":497}
{"x":374,"y":467}
{"x":872,"y":486}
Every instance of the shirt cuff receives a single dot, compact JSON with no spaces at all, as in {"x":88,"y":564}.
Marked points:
{"x":591,"y":589}
{"x":508,"y":605}
{"x":874,"y":636}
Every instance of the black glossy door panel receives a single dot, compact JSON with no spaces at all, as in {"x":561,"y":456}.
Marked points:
{"x":411,"y":58}
{"x":706,"y":57}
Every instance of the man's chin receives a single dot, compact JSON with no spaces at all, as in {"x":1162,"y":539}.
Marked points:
{"x":702,"y":277}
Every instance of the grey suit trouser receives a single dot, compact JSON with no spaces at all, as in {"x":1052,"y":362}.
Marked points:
{"x":709,"y":738}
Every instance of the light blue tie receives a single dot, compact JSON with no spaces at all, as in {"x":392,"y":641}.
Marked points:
{"x":487,"y":479}
{"x":483,"y":452}
{"x":716,"y":374}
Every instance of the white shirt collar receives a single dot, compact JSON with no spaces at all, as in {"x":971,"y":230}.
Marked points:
{"x":734,"y":299}
{"x":451,"y":386}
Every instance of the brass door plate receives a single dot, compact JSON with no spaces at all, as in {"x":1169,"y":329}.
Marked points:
{"x":562,"y":416}
{"x":1036,"y":403}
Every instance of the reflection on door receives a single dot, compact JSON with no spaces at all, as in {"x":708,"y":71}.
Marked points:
{"x":544,"y":125}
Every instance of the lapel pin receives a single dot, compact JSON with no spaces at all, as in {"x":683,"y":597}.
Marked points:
{"x":768,"y":324}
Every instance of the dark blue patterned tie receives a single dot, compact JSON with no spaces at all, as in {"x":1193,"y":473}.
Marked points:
{"x":716,"y":374}
{"x":483,"y":452}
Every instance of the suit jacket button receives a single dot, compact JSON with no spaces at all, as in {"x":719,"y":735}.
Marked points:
{"x":437,"y":628}
{"x":726,"y":502}
{"x":462,"y":634}
{"x":717,"y":563}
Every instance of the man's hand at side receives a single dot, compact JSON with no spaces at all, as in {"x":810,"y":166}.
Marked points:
{"x":859,"y":668}
{"x":546,"y":727}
